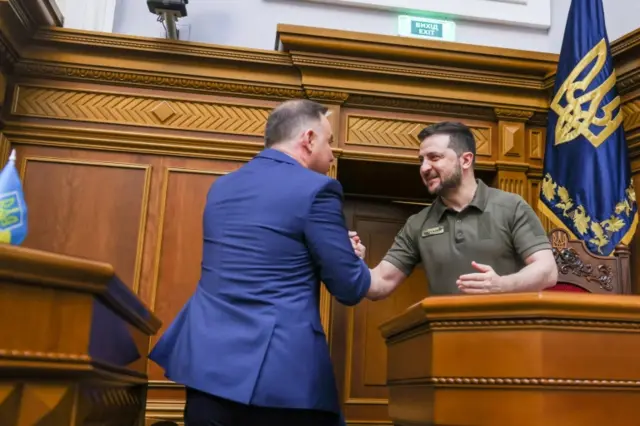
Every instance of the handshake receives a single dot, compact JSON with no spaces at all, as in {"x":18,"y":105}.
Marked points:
{"x":358,"y":247}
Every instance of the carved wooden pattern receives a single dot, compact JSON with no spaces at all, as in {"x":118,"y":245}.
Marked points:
{"x":112,"y":108}
{"x":64,"y":404}
{"x":512,"y":181}
{"x":483,"y":141}
{"x":326,"y":96}
{"x":539,"y":119}
{"x":578,"y":266}
{"x":631,"y":114}
{"x":511,"y":139}
{"x":559,"y":240}
{"x":383,"y":132}
{"x":534,"y":197}
{"x":401,"y":134}
{"x":628,"y":83}
{"x":536,"y":144}
{"x":132,"y":79}
{"x":415,"y":105}
{"x":515,"y":186}
{"x":569,"y":262}
{"x":506,"y":114}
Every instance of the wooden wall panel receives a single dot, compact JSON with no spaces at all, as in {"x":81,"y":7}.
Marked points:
{"x":119,"y":208}
{"x":631,"y":110}
{"x":179,"y":242}
{"x":358,"y":350}
{"x":87,"y":207}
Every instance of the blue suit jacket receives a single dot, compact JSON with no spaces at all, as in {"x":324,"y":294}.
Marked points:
{"x":251,"y":332}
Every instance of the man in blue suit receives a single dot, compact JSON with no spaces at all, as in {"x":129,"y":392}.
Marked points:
{"x":249,"y":345}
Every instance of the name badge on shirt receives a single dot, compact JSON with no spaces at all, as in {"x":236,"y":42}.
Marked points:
{"x":437,"y":230}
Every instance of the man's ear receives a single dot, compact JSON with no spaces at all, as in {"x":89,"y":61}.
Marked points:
{"x":467,"y":160}
{"x":308,"y":138}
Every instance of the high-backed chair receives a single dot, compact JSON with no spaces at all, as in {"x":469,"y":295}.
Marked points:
{"x":580,"y":270}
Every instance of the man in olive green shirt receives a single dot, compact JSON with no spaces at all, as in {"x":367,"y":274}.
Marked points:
{"x":473,"y":239}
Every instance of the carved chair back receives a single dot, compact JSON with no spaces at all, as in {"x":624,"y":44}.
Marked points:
{"x":585,"y":271}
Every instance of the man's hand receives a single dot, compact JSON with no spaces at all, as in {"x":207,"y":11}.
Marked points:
{"x":484,"y":281}
{"x":358,"y":247}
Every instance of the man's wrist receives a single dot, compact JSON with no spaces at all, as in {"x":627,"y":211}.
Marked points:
{"x":375,"y":291}
{"x":507,"y":283}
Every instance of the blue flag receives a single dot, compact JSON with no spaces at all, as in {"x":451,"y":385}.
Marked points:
{"x":587,"y":187}
{"x":13,"y":209}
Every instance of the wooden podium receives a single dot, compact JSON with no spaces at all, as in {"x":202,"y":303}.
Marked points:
{"x":73,"y":342}
{"x":543,"y":359}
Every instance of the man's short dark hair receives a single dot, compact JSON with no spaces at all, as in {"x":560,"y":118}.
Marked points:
{"x":461,"y":138}
{"x":288,"y":117}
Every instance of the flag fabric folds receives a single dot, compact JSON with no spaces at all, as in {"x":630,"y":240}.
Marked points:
{"x":587,"y":185}
{"x":13,"y":209}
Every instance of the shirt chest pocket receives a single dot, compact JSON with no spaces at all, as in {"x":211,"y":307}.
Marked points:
{"x":478,"y":237}
{"x":485,"y":250}
{"x":437,"y":248}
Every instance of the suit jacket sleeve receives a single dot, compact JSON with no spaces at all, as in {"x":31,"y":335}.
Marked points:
{"x":346,"y":276}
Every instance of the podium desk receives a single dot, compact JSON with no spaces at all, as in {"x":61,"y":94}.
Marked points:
{"x":529,"y":359}
{"x":73,"y":342}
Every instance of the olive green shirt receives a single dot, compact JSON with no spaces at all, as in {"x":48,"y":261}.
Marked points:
{"x":497,"y":228}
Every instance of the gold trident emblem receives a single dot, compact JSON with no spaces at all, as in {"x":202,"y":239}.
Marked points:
{"x":9,"y":211}
{"x":573,"y":120}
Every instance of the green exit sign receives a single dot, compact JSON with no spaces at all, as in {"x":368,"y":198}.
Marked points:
{"x":431,"y":29}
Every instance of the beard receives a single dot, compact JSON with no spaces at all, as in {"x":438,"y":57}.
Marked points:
{"x":447,"y":183}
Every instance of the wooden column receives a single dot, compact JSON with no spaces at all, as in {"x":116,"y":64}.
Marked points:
{"x":511,"y":166}
{"x":536,"y":132}
{"x":626,"y":55}
{"x":631,"y":110}
{"x":4,"y":142}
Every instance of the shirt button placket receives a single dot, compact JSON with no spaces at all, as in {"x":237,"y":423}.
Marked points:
{"x":458,"y":232}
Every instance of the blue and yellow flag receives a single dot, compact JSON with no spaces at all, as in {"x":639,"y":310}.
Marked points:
{"x":587,"y":186}
{"x":13,"y":209}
